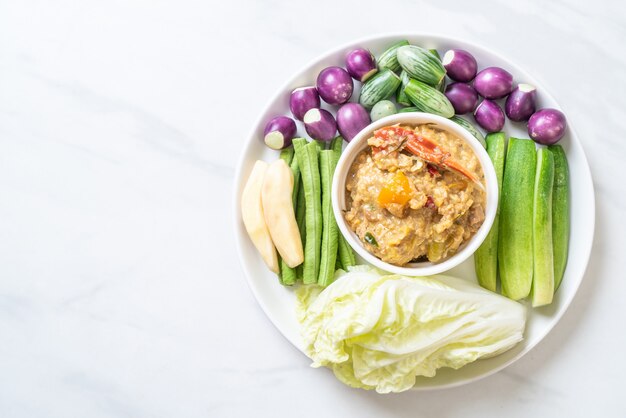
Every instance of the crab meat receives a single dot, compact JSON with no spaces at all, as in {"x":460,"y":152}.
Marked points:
{"x":395,"y":138}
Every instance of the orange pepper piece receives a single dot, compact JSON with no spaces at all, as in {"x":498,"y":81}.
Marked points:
{"x":398,"y":190}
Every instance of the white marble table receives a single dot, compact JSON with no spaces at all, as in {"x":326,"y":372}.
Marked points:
{"x":120,"y":290}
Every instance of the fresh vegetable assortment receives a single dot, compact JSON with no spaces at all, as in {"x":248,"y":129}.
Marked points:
{"x":286,"y":204}
{"x":416,"y":78}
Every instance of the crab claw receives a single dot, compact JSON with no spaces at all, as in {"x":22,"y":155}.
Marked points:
{"x":429,"y":151}
{"x":394,"y":137}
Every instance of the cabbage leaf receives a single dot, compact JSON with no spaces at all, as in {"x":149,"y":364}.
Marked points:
{"x":378,"y":331}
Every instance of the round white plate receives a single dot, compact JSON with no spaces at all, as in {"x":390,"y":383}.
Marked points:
{"x":278,"y":302}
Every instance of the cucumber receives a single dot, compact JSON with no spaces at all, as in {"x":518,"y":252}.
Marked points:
{"x":380,"y":87}
{"x":409,"y":109}
{"x":515,"y":244}
{"x":543,"y":262}
{"x":560,"y":213}
{"x":401,"y":96}
{"x":428,"y":99}
{"x":389,"y":59}
{"x":486,"y":257}
{"x":435,"y":53}
{"x":471,"y":128}
{"x":421,"y":64}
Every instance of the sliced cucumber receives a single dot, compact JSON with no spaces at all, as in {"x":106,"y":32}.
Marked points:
{"x":380,"y":87}
{"x":389,"y":59}
{"x":421,"y":64}
{"x":515,"y":243}
{"x":428,"y":99}
{"x":486,"y":257}
{"x":471,"y":128}
{"x":560,"y":213}
{"x":543,"y":261}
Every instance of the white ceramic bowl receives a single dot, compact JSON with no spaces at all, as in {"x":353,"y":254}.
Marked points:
{"x":359,"y":143}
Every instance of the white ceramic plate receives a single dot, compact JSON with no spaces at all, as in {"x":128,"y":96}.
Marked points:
{"x":278,"y":302}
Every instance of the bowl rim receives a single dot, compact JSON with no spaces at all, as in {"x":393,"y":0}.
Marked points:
{"x":358,"y":143}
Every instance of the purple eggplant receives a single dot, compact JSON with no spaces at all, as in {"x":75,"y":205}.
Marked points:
{"x":279,"y":132}
{"x":520,"y":104}
{"x":361,"y":64}
{"x":493,"y":83}
{"x":489,"y":116}
{"x":460,"y":65}
{"x":320,"y":124}
{"x":351,"y":119}
{"x":302,"y":99}
{"x":547,"y":126}
{"x":334,"y":85}
{"x":463,"y":97}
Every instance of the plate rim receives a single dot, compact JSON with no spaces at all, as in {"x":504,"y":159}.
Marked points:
{"x":452,"y":39}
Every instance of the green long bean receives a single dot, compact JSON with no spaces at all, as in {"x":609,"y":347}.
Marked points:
{"x":330,"y":231}
{"x":345,"y":255}
{"x":307,"y":155}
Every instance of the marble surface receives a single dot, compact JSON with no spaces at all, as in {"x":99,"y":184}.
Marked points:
{"x":121,"y":122}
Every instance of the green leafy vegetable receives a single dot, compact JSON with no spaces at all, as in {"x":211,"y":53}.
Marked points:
{"x":380,"y":332}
